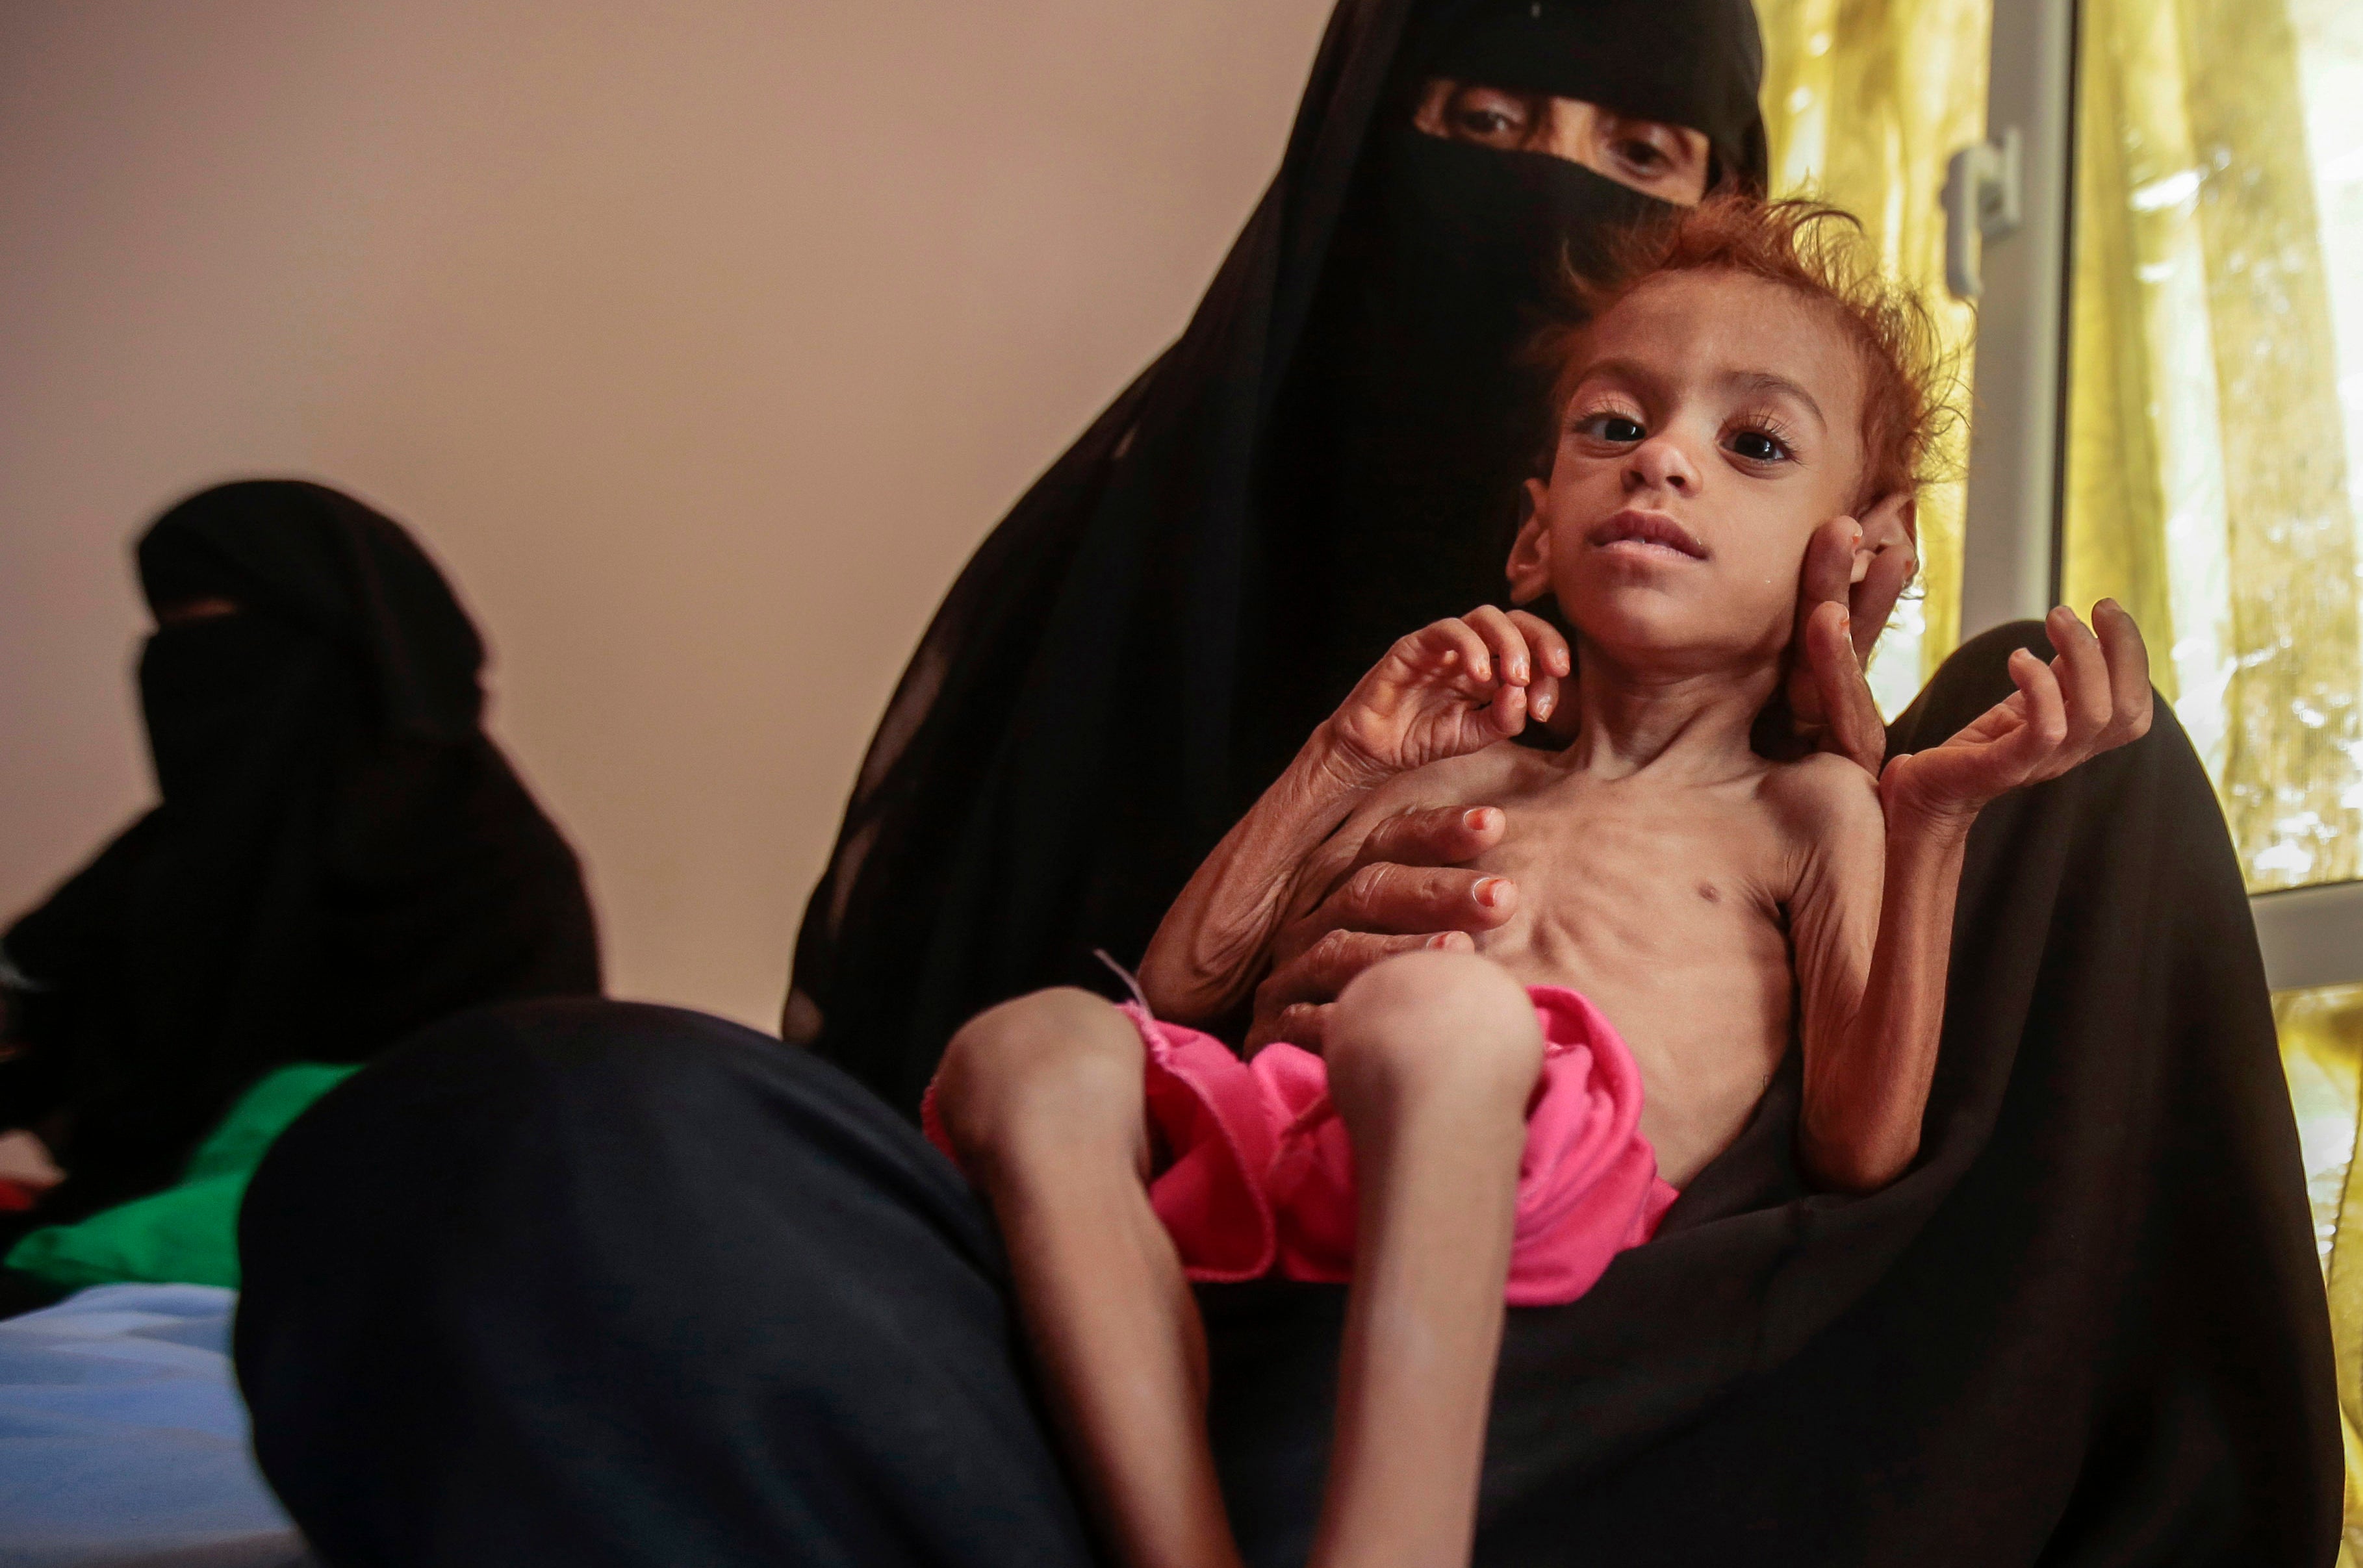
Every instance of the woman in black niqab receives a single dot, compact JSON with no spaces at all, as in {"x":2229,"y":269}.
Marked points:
{"x":1326,"y":458}
{"x":341,"y":856}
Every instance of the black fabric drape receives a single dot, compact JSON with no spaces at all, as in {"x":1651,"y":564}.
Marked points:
{"x":573,"y":1284}
{"x":341,"y":856}
{"x":1326,"y":458}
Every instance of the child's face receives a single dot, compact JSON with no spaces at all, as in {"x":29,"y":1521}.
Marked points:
{"x":1715,"y":423}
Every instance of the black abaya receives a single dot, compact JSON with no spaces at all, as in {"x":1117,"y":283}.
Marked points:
{"x":341,"y":855}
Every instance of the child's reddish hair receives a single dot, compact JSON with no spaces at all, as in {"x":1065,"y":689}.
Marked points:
{"x":1816,"y":251}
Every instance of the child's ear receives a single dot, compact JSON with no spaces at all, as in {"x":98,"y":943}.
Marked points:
{"x":1889,"y":523}
{"x":1529,"y":567}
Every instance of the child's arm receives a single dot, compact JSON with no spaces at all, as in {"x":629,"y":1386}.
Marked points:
{"x":1447,"y":690}
{"x":1871,"y":923}
{"x":1874,"y":1008}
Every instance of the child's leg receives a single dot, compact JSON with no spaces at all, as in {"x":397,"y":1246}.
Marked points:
{"x":1042,"y":1098}
{"x":1432,"y":1059}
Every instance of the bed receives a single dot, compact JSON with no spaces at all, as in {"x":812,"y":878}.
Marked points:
{"x":123,"y":1442}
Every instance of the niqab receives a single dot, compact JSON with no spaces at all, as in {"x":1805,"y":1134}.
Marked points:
{"x":340,"y":855}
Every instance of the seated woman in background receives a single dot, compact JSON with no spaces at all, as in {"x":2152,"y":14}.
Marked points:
{"x":341,"y":854}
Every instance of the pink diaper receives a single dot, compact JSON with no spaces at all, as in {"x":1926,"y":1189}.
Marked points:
{"x":1261,"y":1178}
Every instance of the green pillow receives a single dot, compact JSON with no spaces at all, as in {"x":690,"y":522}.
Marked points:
{"x":185,"y":1234}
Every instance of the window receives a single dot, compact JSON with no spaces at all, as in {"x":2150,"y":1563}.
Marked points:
{"x":2216,"y":395}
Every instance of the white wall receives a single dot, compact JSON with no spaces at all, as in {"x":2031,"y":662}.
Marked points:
{"x":701,"y":342}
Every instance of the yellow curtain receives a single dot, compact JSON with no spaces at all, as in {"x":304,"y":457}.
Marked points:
{"x":2321,"y":1051}
{"x":2207,"y":467}
{"x":1864,"y":100}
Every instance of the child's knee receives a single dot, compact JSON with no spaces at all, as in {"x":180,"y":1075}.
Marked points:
{"x":1427,"y":1022}
{"x":1059,"y":1063}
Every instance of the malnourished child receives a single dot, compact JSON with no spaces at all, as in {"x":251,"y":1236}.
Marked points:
{"x":1493,"y":1125}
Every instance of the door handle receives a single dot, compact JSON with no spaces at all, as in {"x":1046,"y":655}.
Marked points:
{"x":1983,"y":201}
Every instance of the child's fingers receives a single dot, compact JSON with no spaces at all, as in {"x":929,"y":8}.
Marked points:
{"x":1507,"y":713}
{"x":1553,"y":657}
{"x":1553,"y":662}
{"x":1449,"y":642}
{"x":2128,"y":658}
{"x":2045,"y":729}
{"x":1512,"y":661}
{"x":2082,"y":673}
{"x":1542,"y":697}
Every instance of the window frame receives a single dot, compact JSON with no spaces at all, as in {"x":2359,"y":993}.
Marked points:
{"x":2011,"y":546}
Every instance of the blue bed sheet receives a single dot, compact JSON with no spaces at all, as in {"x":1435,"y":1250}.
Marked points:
{"x":123,"y":1442}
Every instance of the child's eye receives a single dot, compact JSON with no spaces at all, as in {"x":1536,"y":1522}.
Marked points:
{"x":1759,"y":446}
{"x":1615,"y":428}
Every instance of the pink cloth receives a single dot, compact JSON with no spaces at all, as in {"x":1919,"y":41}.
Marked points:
{"x":1261,"y":1178}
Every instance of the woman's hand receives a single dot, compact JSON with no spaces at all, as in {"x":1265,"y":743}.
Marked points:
{"x":1853,"y":574}
{"x":1406,"y":889}
{"x":2093,"y":697}
{"x":1449,"y":689}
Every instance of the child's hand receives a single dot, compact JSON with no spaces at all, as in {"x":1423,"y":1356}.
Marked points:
{"x":2094,"y":697}
{"x":1452,"y":688}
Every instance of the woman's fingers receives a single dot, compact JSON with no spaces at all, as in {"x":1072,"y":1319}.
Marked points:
{"x":1827,"y":574}
{"x":1405,"y":890}
{"x":1322,"y":971}
{"x":1851,"y":727}
{"x":2081,"y":672}
{"x":1441,"y":836}
{"x":1872,"y":601}
{"x":1304,"y":1025}
{"x":1384,"y":897}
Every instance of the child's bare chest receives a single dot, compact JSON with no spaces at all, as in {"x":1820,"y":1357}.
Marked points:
{"x":1648,"y":892}
{"x":1667,"y":908}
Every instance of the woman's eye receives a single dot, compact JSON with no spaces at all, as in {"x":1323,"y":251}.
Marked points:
{"x":1489,"y":114}
{"x":1644,"y":156}
{"x":1758,"y":448}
